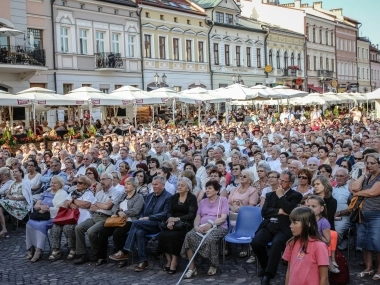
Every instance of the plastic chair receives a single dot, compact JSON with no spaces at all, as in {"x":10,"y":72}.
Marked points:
{"x":248,"y":221}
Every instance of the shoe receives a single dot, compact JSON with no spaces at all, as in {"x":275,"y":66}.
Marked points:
{"x":101,"y":262}
{"x":83,"y":259}
{"x":71,"y":255}
{"x":3,"y":234}
{"x":261,"y":273}
{"x":166,"y":268}
{"x":190,"y":273}
{"x":333,"y":269}
{"x":335,"y":264}
{"x":122,"y":264}
{"x":243,"y":254}
{"x":37,"y":256}
{"x":172,"y":271}
{"x":364,"y":274}
{"x":119,"y":256}
{"x":265,"y":280}
{"x":142,"y":266}
{"x":376,"y":277}
{"x":55,"y":255}
{"x":251,"y":259}
{"x":211,"y":271}
{"x":30,"y":254}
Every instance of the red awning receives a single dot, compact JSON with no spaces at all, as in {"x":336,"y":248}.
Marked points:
{"x":316,"y":89}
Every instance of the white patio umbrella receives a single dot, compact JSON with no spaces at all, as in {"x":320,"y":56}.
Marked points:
{"x":286,"y":92}
{"x":235,"y":91}
{"x":261,"y":92}
{"x":9,"y":32}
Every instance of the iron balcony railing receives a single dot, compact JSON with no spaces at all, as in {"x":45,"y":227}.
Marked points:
{"x":22,"y":55}
{"x":325,"y":73}
{"x":108,"y":60}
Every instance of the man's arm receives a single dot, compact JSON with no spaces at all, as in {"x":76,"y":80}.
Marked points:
{"x":268,"y":211}
{"x":289,"y":205}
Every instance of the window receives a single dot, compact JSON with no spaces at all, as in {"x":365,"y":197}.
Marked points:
{"x":177,"y":88}
{"x":37,"y":34}
{"x":358,"y":52}
{"x":327,"y":38}
{"x":270,"y":57}
{"x":100,"y":9}
{"x":332,"y":65}
{"x":104,"y":90}
{"x":64,"y":3}
{"x":237,"y":55}
{"x":313,"y":35}
{"x":219,"y":17}
{"x":67,"y":88}
{"x":118,"y":86}
{"x":82,"y":6}
{"x":147,"y":46}
{"x":320,"y":36}
{"x":321,"y":63}
{"x":216,"y":54}
{"x":308,"y":63}
{"x":82,"y":41}
{"x":249,"y":56}
{"x":229,"y":19}
{"x":86,"y":85}
{"x":299,"y":60}
{"x":286,"y":60}
{"x":200,"y":52}
{"x":200,"y":24}
{"x":188,"y":22}
{"x":116,"y":12}
{"x":175,"y":20}
{"x":176,"y":49}
{"x":258,"y":57}
{"x":161,"y":42}
{"x":327,"y":64}
{"x":367,"y":74}
{"x":363,"y":53}
{"x":64,"y":39}
{"x":188,"y":50}
{"x":332,"y":39}
{"x":131,"y":46}
{"x":292,"y":59}
{"x":315,"y":62}
{"x":162,"y":17}
{"x":227,"y":55}
{"x":278,"y":59}
{"x":146,"y":14}
{"x":366,"y":55}
{"x":99,"y":42}
{"x":307,"y":33}
{"x":130,"y":14}
{"x":115,"y":43}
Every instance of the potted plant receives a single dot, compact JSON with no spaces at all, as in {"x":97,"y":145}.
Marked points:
{"x":92,"y":131}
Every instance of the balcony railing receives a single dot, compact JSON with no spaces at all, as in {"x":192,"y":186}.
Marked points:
{"x":22,"y":55}
{"x":108,"y":60}
{"x":325,"y":73}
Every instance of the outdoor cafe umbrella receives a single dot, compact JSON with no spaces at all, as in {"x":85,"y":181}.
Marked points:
{"x":9,"y":32}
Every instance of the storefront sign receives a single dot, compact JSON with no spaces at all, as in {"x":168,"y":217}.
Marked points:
{"x":41,"y":102}
{"x":95,"y":102}
{"x":22,"y":102}
{"x":334,"y":83}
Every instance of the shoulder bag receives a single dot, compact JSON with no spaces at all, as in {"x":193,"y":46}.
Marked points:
{"x":115,"y":222}
{"x":66,"y":216}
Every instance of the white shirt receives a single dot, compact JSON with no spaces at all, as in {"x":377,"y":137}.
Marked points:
{"x":35,"y":181}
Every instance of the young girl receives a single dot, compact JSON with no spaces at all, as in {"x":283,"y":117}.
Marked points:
{"x":306,"y":253}
{"x":317,"y":204}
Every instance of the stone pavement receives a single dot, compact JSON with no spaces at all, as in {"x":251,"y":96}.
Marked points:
{"x":15,"y":269}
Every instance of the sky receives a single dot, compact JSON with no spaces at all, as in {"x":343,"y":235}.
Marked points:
{"x":364,"y":11}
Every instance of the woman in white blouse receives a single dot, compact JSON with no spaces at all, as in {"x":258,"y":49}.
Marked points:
{"x":33,"y":177}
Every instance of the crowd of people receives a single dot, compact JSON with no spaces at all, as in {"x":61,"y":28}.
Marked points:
{"x":183,"y":182}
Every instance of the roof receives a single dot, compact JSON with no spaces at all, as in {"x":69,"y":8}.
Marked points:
{"x":206,"y":4}
{"x":240,"y":27}
{"x":177,"y":5}
{"x":121,"y":2}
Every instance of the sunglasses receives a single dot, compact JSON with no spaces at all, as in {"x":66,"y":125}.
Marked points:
{"x":358,"y":158}
{"x":88,"y":173}
{"x":243,"y":176}
{"x":302,"y":177}
{"x":80,"y":183}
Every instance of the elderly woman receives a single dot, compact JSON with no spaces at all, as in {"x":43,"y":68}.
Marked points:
{"x":142,"y":187}
{"x":312,"y":164}
{"x":81,"y":198}
{"x":244,"y":195}
{"x":235,"y":181}
{"x":263,"y":169}
{"x":129,"y":208}
{"x":368,"y":186}
{"x":181,"y":215}
{"x":18,"y":200}
{"x":212,"y":213}
{"x":304,"y":182}
{"x":6,"y":179}
{"x":191,"y":175}
{"x":36,"y":229}
{"x":93,"y":175}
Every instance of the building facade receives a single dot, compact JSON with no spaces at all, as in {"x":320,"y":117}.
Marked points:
{"x":364,"y":69}
{"x":174,"y":45}
{"x":375,"y":66}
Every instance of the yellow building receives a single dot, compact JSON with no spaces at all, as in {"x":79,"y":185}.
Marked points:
{"x":174,"y":45}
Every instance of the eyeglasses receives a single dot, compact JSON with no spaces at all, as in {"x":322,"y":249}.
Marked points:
{"x":272,"y":177}
{"x":115,"y":177}
{"x":302,"y":177}
{"x":243,"y":176}
{"x":332,"y":155}
{"x":358,"y":158}
{"x":30,"y":165}
{"x":311,"y":165}
{"x":80,"y":183}
{"x":88,"y":173}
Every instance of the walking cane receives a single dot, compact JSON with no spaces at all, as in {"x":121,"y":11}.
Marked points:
{"x":196,"y":251}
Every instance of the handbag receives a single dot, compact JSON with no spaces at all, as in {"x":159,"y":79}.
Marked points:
{"x":355,"y":209}
{"x":115,"y":222}
{"x":37,"y":216}
{"x":66,"y":216}
{"x":178,"y":226}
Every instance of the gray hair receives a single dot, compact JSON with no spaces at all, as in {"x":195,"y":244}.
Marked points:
{"x":276,"y":148}
{"x":59,"y":180}
{"x":292,"y":177}
{"x":265,"y":165}
{"x":108,"y":175}
{"x":132,"y":180}
{"x":313,"y":159}
{"x":235,"y":152}
{"x":117,"y":174}
{"x":249,"y":174}
{"x":298,"y":163}
{"x":187,"y":181}
{"x":7,"y":171}
{"x":343,"y":170}
{"x":162,"y":179}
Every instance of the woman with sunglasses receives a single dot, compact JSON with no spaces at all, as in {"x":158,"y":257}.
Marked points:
{"x":304,"y":181}
{"x":263,"y":169}
{"x":154,"y":164}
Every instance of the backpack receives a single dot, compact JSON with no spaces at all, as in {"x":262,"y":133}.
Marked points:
{"x":343,"y":277}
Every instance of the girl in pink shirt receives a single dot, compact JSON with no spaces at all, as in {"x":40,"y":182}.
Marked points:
{"x":306,"y":253}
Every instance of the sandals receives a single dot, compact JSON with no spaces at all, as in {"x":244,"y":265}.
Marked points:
{"x":30,"y":254}
{"x":243,"y":254}
{"x":211,"y":271}
{"x":190,"y":273}
{"x":71,"y":255}
{"x":55,"y":255}
{"x":364,"y":274}
{"x":376,"y":277}
{"x":37,"y":256}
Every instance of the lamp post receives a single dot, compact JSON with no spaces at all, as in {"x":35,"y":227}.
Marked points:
{"x":157,"y":80}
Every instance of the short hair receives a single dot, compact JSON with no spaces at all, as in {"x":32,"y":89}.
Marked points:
{"x":346,"y":145}
{"x":20,"y":170}
{"x":326,"y":184}
{"x":217,"y":172}
{"x":375,"y":156}
{"x":265,"y":165}
{"x":191,"y":175}
{"x":117,"y":174}
{"x":220,"y":162}
{"x":308,"y":174}
{"x":95,"y":171}
{"x":191,"y":165}
{"x":59,"y":180}
{"x":108,"y":175}
{"x":326,"y":167}
{"x":7,"y":171}
{"x":187,"y":181}
{"x":85,"y":180}
{"x":249,"y":174}
{"x":284,"y":153}
{"x":369,"y":150}
{"x":184,"y":146}
{"x":276,"y":148}
{"x":292,"y":177}
{"x":213,"y":184}
{"x":324,"y":148}
{"x":132,"y":180}
{"x":156,"y":161}
{"x":160,"y":178}
{"x":342,"y":169}
{"x":274,"y":172}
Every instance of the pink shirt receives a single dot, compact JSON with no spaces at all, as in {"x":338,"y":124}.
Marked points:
{"x":304,"y":268}
{"x":210,"y":211}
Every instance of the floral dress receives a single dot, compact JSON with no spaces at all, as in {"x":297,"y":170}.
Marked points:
{"x":18,"y":209}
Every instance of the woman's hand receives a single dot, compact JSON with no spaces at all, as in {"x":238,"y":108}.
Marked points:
{"x":172,"y":219}
{"x":73,"y":206}
{"x":205,"y":228}
{"x":114,"y":216}
{"x":122,"y":214}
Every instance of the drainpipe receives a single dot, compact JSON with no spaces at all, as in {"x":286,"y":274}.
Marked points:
{"x":138,"y":12}
{"x":53,"y":35}
{"x":265,"y":51}
{"x":209,"y":49}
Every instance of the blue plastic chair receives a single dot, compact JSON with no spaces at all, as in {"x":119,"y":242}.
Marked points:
{"x":247,"y":223}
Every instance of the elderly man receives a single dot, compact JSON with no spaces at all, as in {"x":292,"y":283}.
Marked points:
{"x":55,"y":169}
{"x":106,"y":166}
{"x":95,"y":155}
{"x":105,"y":199}
{"x":294,"y":167}
{"x":86,"y":162}
{"x":274,"y":161}
{"x":155,"y":209}
{"x":275,"y":227}
{"x":341,"y":194}
{"x":160,"y":154}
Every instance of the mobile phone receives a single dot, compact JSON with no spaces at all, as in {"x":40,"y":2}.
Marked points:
{"x":338,"y":218}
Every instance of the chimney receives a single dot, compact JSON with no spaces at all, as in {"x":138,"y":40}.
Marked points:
{"x":317,"y":5}
{"x":377,"y":46}
{"x":338,"y":11}
{"x":297,"y":3}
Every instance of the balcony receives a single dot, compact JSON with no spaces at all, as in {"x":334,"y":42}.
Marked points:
{"x":108,"y":61}
{"x":26,"y":61}
{"x":325,"y":73}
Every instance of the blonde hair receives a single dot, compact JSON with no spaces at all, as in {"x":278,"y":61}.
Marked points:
{"x":59,"y":180}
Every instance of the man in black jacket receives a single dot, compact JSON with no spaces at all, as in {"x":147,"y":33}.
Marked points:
{"x":275,"y":227}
